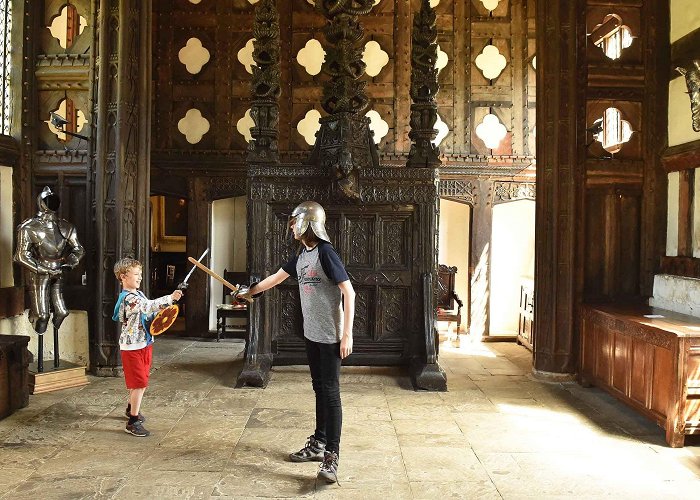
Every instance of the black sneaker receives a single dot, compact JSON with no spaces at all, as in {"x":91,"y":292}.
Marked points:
{"x":141,"y":418}
{"x":311,"y":452}
{"x":136,"y":429}
{"x":329,"y":468}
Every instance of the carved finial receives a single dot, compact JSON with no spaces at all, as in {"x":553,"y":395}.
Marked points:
{"x":265,"y":85}
{"x":424,"y":88}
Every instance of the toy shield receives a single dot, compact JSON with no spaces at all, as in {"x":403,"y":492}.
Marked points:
{"x":164,"y":319}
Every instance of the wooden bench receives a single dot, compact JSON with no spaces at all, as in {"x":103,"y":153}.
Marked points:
{"x":648,"y":358}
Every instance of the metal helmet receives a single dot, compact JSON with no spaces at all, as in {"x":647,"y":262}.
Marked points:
{"x":310,"y":212}
{"x":48,"y":201}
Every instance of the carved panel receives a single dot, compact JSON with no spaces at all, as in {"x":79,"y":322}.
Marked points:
{"x":464,"y":190}
{"x":362,"y":326}
{"x":360,"y":235}
{"x":290,"y":323}
{"x":513,"y":191}
{"x":394,"y":309}
{"x":395,"y":242}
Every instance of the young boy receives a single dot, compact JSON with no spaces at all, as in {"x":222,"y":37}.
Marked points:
{"x":135,"y":342}
{"x":324,"y":287}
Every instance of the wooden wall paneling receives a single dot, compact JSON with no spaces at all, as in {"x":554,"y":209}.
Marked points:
{"x":461,"y":66}
{"x":403,"y":24}
{"x":198,"y":224}
{"x":288,"y":67}
{"x":518,"y":125}
{"x":655,"y":192}
{"x":685,"y":212}
{"x":594,"y":258}
{"x":164,"y":122}
{"x":630,"y":223}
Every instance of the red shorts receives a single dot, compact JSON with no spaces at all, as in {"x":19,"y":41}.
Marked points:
{"x":137,"y":367}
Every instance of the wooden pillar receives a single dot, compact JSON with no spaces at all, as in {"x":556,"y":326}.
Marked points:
{"x":198,"y":224}
{"x":561,"y":42}
{"x":480,"y":261}
{"x":119,"y":174}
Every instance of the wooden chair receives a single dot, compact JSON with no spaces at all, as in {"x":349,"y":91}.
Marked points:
{"x":227,"y":309}
{"x":447,"y":298}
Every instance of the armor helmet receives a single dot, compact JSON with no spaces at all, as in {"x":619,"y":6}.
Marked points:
{"x":48,"y":201}
{"x":311,"y":213}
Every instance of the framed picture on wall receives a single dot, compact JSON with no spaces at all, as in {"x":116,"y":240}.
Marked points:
{"x":168,"y":224}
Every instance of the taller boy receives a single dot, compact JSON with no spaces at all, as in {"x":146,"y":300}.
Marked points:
{"x":328,"y":308}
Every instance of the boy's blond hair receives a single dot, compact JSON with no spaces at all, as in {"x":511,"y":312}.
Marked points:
{"x":123,"y":266}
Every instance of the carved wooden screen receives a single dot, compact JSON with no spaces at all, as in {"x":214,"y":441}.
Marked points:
{"x":219,"y":90}
{"x":378,"y":251}
{"x":623,"y":141}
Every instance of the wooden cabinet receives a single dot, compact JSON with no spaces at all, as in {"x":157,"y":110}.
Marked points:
{"x":648,"y":358}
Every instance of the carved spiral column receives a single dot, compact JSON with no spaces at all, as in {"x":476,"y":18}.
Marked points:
{"x":424,"y":88}
{"x":119,"y":173}
{"x":265,"y":85}
{"x":344,"y":145}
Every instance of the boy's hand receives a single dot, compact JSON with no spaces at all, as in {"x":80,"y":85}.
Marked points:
{"x":176,"y":295}
{"x":346,"y":346}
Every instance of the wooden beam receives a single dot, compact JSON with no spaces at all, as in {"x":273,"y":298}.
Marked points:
{"x":682,"y":157}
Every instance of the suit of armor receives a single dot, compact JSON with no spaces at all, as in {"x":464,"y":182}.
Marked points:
{"x":47,"y":246}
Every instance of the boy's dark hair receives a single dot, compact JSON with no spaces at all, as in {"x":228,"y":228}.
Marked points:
{"x":309,"y":238}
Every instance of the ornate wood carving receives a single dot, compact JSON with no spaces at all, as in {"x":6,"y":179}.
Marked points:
{"x":265,"y":85}
{"x":119,"y":171}
{"x":560,"y":173}
{"x":424,"y":89}
{"x":344,"y":145}
{"x":512,"y":191}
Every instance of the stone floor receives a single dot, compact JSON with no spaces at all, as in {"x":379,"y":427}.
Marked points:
{"x":497,"y":433}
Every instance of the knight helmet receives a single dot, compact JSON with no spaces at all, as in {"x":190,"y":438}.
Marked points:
{"x":310,"y":212}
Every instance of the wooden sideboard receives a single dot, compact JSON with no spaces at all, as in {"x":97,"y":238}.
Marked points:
{"x":648,"y":358}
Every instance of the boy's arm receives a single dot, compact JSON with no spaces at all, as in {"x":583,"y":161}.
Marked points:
{"x":348,"y":317}
{"x":137,"y":303}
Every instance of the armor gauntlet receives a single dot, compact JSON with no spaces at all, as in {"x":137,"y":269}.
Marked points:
{"x":242,"y":293}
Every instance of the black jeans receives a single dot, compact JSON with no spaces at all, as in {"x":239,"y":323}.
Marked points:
{"x":324,"y":364}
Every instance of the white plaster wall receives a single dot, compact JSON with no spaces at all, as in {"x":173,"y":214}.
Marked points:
{"x":228,"y":246}
{"x":6,"y":227}
{"x":512,"y":262}
{"x":73,"y":336}
{"x":680,"y":118}
{"x":685,"y":17}
{"x":672,"y":215}
{"x":453,"y":247}
{"x":676,"y":293}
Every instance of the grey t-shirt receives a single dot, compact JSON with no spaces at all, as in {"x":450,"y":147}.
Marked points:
{"x":318,"y":272}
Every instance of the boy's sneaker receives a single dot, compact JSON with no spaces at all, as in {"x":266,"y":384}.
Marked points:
{"x":311,"y":452}
{"x":329,"y":468}
{"x":141,"y":418}
{"x":136,"y":429}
